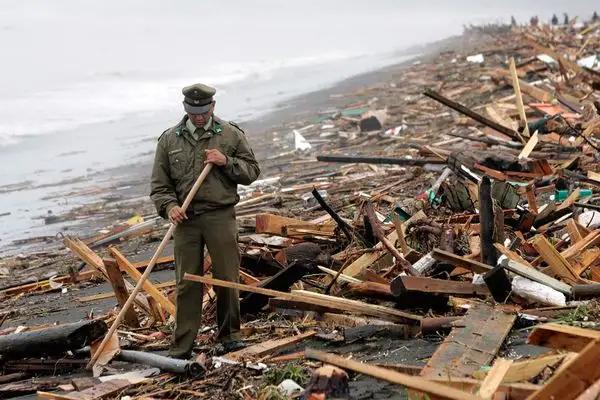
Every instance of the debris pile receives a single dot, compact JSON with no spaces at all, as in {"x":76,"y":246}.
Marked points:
{"x":414,"y":234}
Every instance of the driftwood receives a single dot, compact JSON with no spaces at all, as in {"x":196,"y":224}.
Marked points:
{"x":50,"y":341}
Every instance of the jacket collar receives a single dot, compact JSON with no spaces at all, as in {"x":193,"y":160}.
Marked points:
{"x":216,"y":126}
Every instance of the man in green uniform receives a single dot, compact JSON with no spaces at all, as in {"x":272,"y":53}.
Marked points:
{"x":182,"y":152}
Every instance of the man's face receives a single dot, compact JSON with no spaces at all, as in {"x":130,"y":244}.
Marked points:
{"x":199,"y":120}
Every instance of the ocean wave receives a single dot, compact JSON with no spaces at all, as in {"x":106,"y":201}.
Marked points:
{"x":107,"y":96}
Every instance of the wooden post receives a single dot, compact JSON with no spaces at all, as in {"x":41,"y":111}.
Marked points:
{"x":148,"y":286}
{"x":121,"y":293}
{"x":486,"y":222}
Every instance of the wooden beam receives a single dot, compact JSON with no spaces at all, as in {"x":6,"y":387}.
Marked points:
{"x":562,"y":337}
{"x":267,"y":347}
{"x":355,"y":306}
{"x":494,"y":378}
{"x":523,"y":371}
{"x":93,"y":260}
{"x":590,"y":240}
{"x":82,"y":251}
{"x":472,"y":114}
{"x":471,"y":345}
{"x":512,"y":255}
{"x":530,"y":194}
{"x":460,"y":261}
{"x":407,"y":284}
{"x":148,"y":286}
{"x":368,"y":259}
{"x":121,"y":293}
{"x":440,"y":391}
{"x":537,"y":276}
{"x":527,"y":149}
{"x":559,"y":265}
{"x":591,"y":393}
{"x":575,"y":378}
{"x":573,"y":230}
{"x":518,"y":98}
{"x":277,"y":225}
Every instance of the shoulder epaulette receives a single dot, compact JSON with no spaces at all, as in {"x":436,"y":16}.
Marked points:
{"x":162,"y":134}
{"x":236,"y":125}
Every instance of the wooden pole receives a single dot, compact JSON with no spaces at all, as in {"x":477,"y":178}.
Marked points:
{"x":472,"y":114}
{"x":149,"y":268}
{"x":121,"y":293}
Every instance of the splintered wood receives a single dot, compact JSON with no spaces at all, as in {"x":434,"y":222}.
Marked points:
{"x":471,"y":345}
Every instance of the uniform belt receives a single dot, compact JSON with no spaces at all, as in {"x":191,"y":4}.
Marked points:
{"x":197,"y":210}
{"x":190,"y":212}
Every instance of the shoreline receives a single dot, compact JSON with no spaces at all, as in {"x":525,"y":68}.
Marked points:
{"x":127,"y":182}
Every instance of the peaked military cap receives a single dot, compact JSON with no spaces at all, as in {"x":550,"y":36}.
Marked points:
{"x":198,"y":98}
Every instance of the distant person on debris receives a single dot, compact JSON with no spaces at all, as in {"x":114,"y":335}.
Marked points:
{"x":182,"y":152}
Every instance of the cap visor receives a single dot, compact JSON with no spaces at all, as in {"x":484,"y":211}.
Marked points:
{"x":196,"y":109}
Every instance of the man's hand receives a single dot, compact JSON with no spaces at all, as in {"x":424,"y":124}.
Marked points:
{"x":215,"y":157}
{"x":176,"y":215}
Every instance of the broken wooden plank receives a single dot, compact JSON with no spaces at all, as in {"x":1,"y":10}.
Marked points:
{"x":562,"y":337}
{"x":460,"y":261}
{"x":559,"y":265}
{"x":276,"y":224}
{"x":527,"y":149}
{"x":536,"y":276}
{"x":494,"y":378}
{"x":591,"y":393}
{"x":82,"y":251}
{"x":472,"y":345}
{"x":148,"y":286}
{"x":368,"y":259}
{"x":574,"y":232}
{"x":590,"y":240}
{"x":267,"y":347}
{"x":525,"y":370}
{"x":121,"y":293}
{"x":440,"y":391}
{"x":576,"y":376}
{"x":406,"y":284}
{"x":319,"y":299}
{"x":472,"y":114}
{"x":371,"y":289}
{"x":518,"y":97}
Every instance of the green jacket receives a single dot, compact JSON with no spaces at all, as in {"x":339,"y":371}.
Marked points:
{"x":179,"y":160}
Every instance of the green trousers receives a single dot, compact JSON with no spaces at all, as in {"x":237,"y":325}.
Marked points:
{"x":218,"y":231}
